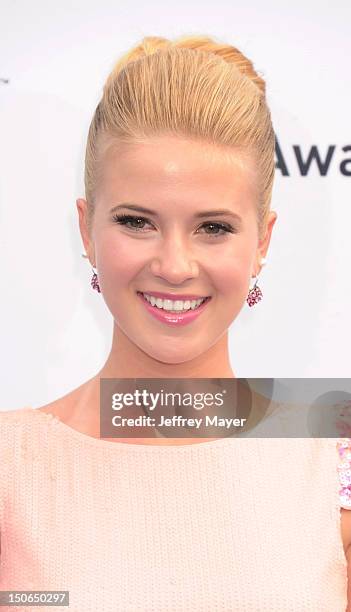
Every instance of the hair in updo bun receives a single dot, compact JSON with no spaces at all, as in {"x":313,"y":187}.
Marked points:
{"x":193,"y":87}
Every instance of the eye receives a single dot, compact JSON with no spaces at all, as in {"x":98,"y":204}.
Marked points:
{"x":137,"y":225}
{"x":224,"y":228}
{"x":125,"y":219}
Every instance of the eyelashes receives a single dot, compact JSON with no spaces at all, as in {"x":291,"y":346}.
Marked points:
{"x":225,"y":228}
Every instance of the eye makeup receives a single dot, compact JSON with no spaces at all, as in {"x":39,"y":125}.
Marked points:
{"x":124,"y":220}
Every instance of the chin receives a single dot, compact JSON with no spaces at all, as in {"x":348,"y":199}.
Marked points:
{"x":171,"y":355}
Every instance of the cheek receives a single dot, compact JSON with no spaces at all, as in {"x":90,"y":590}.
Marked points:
{"x":117,"y":262}
{"x":231,"y":273}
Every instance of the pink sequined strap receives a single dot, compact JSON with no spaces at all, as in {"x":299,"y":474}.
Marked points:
{"x":344,"y":469}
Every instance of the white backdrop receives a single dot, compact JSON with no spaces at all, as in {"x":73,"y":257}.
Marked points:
{"x":55,"y":330}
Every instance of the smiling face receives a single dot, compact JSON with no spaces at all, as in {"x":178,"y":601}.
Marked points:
{"x":178,"y":247}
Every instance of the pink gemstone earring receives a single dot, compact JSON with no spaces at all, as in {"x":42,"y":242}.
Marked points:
{"x":94,"y":282}
{"x":255,"y":293}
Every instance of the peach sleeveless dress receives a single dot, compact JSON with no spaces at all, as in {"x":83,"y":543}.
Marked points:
{"x":249,"y":525}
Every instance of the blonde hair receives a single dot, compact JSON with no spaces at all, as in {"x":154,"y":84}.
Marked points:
{"x":193,"y":87}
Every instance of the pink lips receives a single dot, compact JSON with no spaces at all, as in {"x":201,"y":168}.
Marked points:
{"x":174,"y":296}
{"x":173,"y":318}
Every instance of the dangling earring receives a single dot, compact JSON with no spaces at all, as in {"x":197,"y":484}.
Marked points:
{"x":94,"y":281}
{"x":255,"y":293}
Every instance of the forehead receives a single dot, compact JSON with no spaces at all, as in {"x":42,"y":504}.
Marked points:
{"x":181,"y":168}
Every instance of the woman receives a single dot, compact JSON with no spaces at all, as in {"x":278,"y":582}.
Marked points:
{"x":178,"y":178}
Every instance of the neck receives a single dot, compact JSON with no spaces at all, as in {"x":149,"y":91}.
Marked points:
{"x":127,"y":360}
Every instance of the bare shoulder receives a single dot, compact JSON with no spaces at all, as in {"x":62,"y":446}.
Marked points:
{"x":62,"y":406}
{"x":345,"y":520}
{"x":66,"y":407}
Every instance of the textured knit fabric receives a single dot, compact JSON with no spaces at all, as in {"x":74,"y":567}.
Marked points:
{"x":249,"y":525}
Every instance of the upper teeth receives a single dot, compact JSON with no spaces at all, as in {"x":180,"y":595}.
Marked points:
{"x":173,"y":304}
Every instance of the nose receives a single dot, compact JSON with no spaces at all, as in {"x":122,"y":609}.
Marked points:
{"x":175,"y":261}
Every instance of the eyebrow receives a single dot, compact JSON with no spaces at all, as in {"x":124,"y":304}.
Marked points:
{"x":199,"y":215}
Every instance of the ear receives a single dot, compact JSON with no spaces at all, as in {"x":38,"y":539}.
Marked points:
{"x":264,"y":242}
{"x":82,"y":207}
